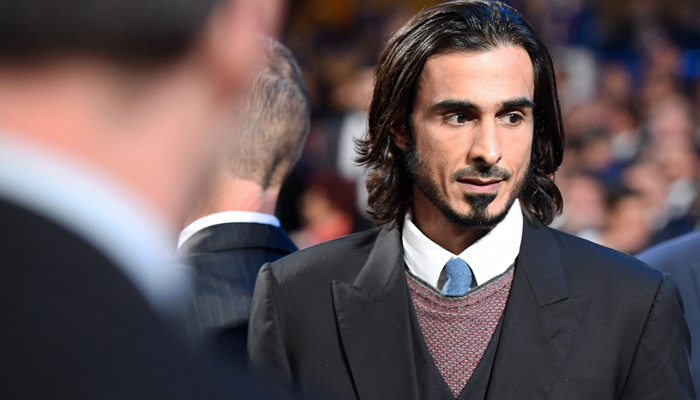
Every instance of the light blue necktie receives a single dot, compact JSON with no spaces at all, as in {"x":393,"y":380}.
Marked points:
{"x":458,"y":278}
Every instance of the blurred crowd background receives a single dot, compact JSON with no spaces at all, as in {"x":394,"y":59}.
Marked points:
{"x":629,"y":82}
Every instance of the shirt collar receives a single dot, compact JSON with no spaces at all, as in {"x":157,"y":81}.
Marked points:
{"x":226,"y":217}
{"x":488,"y":257}
{"x":101,"y":210}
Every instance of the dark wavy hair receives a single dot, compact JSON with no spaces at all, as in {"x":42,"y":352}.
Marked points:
{"x":463,"y":26}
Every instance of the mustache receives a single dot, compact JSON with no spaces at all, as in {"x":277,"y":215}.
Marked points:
{"x":481,"y":172}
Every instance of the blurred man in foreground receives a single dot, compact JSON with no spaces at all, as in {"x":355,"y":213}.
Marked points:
{"x":234,"y":231}
{"x":110,"y":114}
{"x":464,"y":292}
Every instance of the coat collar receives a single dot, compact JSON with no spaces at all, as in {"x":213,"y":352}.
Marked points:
{"x":238,"y":235}
{"x":384,"y":262}
{"x":541,"y":262}
{"x":539,"y":258}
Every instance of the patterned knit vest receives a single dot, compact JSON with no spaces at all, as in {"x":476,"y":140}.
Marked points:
{"x":457,"y":330}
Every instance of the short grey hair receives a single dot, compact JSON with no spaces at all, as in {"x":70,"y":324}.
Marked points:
{"x":274,"y":120}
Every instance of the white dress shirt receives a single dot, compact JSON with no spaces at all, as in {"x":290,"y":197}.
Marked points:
{"x":488,"y":257}
{"x":99,"y":209}
{"x":226,"y":217}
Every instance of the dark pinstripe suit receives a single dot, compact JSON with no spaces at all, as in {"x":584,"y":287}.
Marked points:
{"x":75,"y":327}
{"x":227,"y":258}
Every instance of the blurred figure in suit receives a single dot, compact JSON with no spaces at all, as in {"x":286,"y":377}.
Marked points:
{"x":110,"y":115}
{"x":233,"y":232}
{"x":680,"y":257}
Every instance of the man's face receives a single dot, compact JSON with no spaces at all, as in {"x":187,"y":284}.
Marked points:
{"x":473,"y":130}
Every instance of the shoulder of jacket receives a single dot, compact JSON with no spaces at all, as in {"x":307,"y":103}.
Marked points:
{"x":324,"y":258}
{"x":603,"y":261}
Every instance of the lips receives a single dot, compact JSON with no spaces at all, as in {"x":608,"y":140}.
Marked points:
{"x":477,"y":179}
{"x":480,"y":186}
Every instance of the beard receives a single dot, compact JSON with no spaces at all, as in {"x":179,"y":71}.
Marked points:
{"x":478,"y":217}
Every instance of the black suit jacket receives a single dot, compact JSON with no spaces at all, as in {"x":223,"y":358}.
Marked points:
{"x":227,"y":259}
{"x":74,"y":327}
{"x":680,"y":257}
{"x":581,"y":322}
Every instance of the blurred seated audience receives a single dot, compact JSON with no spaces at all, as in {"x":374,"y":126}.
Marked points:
{"x":327,"y":208}
{"x":626,"y":226}
{"x":584,"y":213}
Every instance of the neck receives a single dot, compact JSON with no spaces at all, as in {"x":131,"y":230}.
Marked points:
{"x":237,"y":195}
{"x":434,"y":225}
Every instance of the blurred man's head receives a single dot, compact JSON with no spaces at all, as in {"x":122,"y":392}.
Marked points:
{"x":141,"y":90}
{"x":274,"y":120}
{"x":266,"y":137}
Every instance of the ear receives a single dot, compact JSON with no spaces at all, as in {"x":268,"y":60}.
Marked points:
{"x":230,"y":40}
{"x":398,"y":136}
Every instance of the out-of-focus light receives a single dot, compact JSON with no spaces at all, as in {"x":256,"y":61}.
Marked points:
{"x":690,"y":63}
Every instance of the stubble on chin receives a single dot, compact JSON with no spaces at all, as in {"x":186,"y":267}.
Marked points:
{"x":478,"y":216}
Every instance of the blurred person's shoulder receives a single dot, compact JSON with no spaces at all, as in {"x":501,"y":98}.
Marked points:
{"x":675,"y":255}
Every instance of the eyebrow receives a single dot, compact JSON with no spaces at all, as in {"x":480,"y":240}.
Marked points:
{"x":452,"y":104}
{"x":520,"y":102}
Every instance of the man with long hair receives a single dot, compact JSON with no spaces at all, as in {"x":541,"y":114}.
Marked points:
{"x":463,"y":291}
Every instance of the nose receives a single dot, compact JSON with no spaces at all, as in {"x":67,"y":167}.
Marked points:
{"x":486,"y":146}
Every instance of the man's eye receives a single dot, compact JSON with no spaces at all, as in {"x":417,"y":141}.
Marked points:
{"x":512,"y":118}
{"x":457,"y":118}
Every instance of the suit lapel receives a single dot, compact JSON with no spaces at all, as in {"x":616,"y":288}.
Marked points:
{"x":374,"y":324}
{"x":540,"y":322}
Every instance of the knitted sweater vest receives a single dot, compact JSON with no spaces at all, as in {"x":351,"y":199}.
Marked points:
{"x":458,"y":329}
